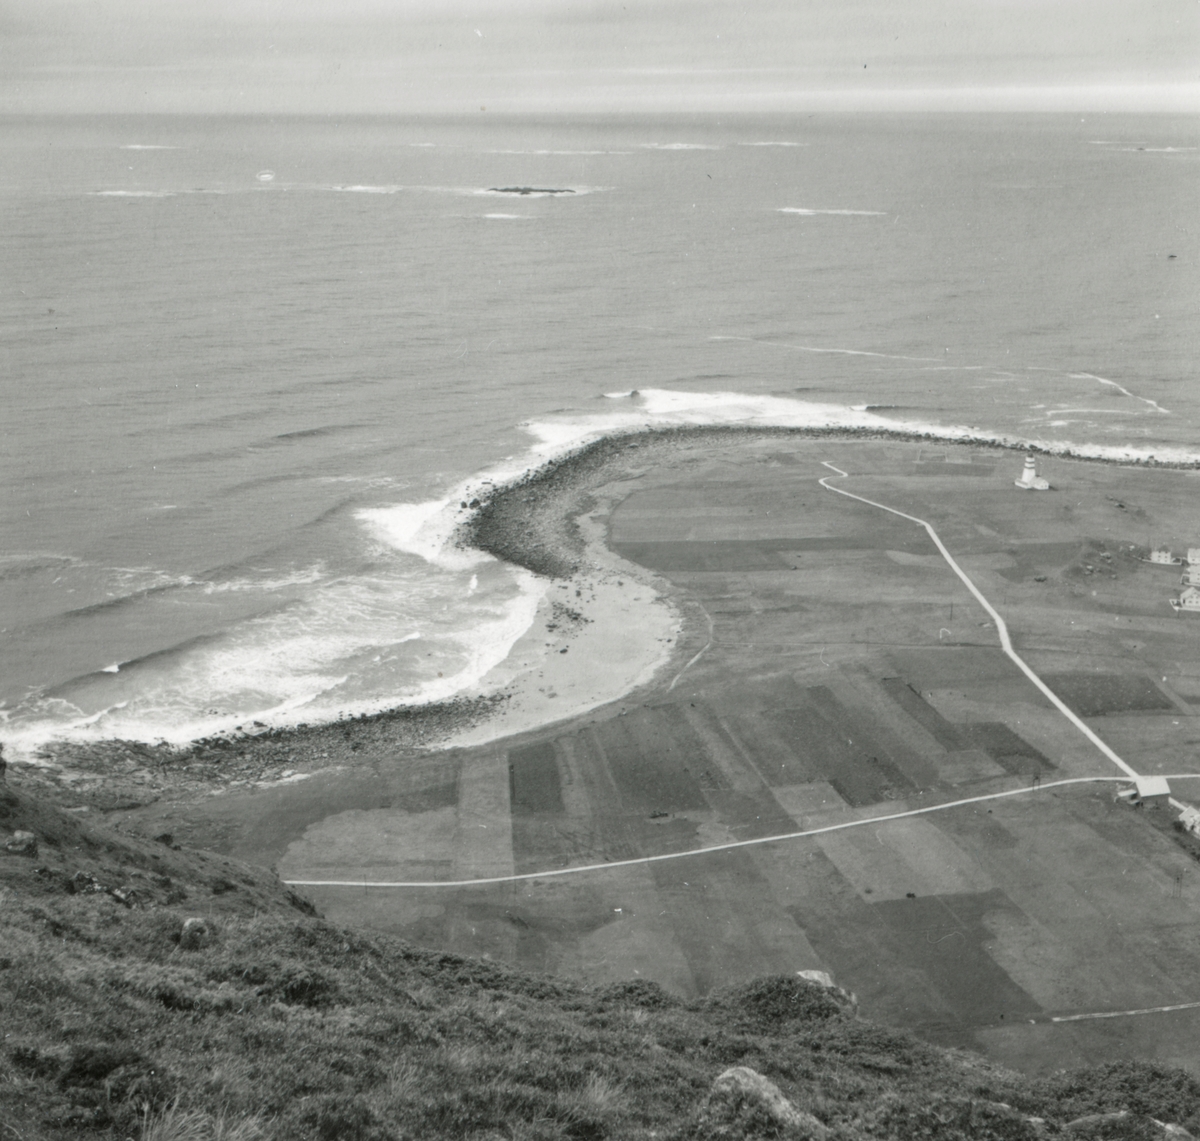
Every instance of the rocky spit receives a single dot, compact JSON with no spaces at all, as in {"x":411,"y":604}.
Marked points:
{"x":530,"y":522}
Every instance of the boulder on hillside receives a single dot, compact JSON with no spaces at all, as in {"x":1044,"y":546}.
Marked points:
{"x":195,"y":935}
{"x":751,"y":1104}
{"x":823,"y":978}
{"x":1123,"y":1125}
{"x":22,"y":844}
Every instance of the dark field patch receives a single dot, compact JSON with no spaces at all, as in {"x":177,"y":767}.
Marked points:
{"x":1039,"y":558}
{"x":772,"y":748}
{"x":654,"y":757}
{"x":950,"y":469}
{"x":534,"y":780}
{"x":954,"y":667}
{"x":835,"y":742}
{"x":946,"y":734}
{"x":441,"y":795}
{"x":715,"y":555}
{"x":1093,"y":695}
{"x":543,"y":842}
{"x":943,"y":937}
{"x":735,"y":555}
{"x":1008,"y":749}
{"x":749,"y":816}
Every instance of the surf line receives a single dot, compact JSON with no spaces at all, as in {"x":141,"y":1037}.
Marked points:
{"x":1001,"y":628}
{"x":609,"y":865}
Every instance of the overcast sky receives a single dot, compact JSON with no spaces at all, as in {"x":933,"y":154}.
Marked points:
{"x":579,"y":55}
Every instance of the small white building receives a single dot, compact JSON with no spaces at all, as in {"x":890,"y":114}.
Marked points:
{"x":1191,"y":576}
{"x":1193,"y":555}
{"x":1029,"y":480}
{"x":1163,"y":557}
{"x":1189,"y":599}
{"x":1152,"y":791}
{"x":1190,"y":819}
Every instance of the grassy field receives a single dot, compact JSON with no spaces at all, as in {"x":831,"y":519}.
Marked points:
{"x":276,"y":1025}
{"x":846,"y":675}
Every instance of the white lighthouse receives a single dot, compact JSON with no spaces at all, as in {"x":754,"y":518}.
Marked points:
{"x":1029,"y":480}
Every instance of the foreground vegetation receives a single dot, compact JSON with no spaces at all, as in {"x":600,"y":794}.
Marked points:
{"x":265,"y":1022}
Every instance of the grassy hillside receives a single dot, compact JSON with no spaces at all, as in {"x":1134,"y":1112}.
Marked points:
{"x":267,"y":1022}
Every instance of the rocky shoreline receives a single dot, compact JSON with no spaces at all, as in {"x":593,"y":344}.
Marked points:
{"x":531,"y":522}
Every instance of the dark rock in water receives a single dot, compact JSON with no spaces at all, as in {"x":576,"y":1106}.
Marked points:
{"x":528,"y":190}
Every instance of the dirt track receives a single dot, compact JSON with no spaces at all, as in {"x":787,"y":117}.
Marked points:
{"x":849,"y":674}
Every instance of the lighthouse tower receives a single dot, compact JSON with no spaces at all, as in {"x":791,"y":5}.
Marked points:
{"x":1029,"y":480}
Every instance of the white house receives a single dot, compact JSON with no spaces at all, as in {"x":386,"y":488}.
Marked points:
{"x":1189,"y":599}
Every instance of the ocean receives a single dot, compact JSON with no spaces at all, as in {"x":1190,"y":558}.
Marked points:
{"x":253,"y":366}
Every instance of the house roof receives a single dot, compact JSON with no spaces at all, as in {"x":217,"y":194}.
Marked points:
{"x":1152,"y":786}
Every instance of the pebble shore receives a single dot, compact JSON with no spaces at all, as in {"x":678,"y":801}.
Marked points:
{"x":530,"y":522}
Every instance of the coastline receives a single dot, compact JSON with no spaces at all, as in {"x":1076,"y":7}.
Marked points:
{"x":593,"y":642}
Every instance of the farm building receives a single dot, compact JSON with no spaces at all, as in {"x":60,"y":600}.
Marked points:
{"x":1153,"y":791}
{"x":1189,"y":599}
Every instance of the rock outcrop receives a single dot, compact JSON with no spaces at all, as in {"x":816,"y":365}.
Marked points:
{"x":743,"y":1097}
{"x":195,"y":935}
{"x":22,"y":844}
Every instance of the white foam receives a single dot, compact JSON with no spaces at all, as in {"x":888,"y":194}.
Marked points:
{"x":513,"y":217}
{"x":132,"y":194}
{"x":422,"y":529}
{"x":338,"y":652}
{"x":663,"y":408}
{"x":824,"y":349}
{"x":366,"y":189}
{"x":304,"y":577}
{"x":810,"y":213}
{"x":1121,"y":389}
{"x":773,"y":144}
{"x":339,"y":649}
{"x":146,"y":147}
{"x":678,"y":147}
{"x":544,"y":152}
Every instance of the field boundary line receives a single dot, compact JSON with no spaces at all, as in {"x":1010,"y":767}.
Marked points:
{"x":1001,"y":627}
{"x":580,"y":869}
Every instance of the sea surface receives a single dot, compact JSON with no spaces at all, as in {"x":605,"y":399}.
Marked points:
{"x":251,"y":367}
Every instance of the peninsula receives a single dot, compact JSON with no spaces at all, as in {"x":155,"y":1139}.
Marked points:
{"x":830,"y":760}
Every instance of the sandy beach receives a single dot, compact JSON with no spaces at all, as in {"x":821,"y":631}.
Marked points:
{"x":751,"y":657}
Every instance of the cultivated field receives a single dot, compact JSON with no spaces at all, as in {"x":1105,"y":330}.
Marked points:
{"x":847,"y":675}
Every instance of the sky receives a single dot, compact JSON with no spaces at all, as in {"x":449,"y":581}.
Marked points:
{"x":398,"y":56}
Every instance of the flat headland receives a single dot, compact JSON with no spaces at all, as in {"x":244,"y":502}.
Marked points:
{"x":731,"y":652}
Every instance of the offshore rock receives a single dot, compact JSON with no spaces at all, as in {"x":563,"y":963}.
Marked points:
{"x":529,"y":190}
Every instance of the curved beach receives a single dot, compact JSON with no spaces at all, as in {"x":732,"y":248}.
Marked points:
{"x":606,"y":627}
